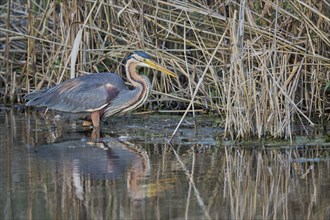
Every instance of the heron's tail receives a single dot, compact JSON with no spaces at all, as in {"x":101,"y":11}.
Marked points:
{"x":34,"y":98}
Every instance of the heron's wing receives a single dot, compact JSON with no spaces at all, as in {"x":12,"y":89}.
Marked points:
{"x":82,"y":94}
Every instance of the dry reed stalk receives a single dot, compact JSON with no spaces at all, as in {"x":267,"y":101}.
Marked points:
{"x":270,"y":69}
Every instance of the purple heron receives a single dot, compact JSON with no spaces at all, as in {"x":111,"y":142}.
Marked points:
{"x":100,"y":94}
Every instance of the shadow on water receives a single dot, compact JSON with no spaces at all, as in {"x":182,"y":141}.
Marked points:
{"x":51,"y":169}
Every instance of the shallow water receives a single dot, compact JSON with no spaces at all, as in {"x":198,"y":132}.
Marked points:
{"x":51,"y":169}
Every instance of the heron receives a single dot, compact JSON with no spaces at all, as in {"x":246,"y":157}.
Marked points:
{"x":100,"y":94}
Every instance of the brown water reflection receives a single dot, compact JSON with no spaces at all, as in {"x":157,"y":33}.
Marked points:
{"x":52,"y":170}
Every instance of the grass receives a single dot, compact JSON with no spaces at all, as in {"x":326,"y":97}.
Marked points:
{"x":262,"y":66}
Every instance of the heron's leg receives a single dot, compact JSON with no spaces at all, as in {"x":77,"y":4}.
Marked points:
{"x":95,"y":116}
{"x":95,"y":134}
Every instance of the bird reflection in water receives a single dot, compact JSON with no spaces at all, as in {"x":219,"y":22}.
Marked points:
{"x":107,"y":160}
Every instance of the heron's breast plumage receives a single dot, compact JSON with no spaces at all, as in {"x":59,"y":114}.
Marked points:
{"x":128,"y":100}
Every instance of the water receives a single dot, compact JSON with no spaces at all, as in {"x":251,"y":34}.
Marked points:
{"x":51,"y":169}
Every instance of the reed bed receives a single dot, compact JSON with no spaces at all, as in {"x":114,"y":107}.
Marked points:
{"x":262,"y":66}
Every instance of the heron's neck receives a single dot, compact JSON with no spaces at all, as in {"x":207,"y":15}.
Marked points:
{"x":141,"y":83}
{"x":142,"y":86}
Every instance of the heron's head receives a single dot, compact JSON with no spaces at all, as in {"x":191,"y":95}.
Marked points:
{"x":144,"y":60}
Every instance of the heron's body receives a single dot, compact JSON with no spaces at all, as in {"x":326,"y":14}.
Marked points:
{"x":101,"y":94}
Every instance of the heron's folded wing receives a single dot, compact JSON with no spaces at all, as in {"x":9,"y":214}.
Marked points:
{"x":81,"y":94}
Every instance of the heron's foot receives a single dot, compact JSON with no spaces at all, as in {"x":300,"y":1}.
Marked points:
{"x":87,"y":123}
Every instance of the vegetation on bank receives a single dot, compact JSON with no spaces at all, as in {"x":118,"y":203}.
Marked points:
{"x":262,"y":66}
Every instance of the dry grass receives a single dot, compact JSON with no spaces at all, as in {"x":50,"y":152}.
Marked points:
{"x":261,"y":65}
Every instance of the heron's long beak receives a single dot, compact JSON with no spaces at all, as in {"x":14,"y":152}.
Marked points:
{"x":156,"y":66}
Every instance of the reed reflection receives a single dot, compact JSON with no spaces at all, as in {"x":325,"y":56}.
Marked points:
{"x":51,"y":170}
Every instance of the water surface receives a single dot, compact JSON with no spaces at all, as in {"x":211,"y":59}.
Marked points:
{"x":51,"y":169}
